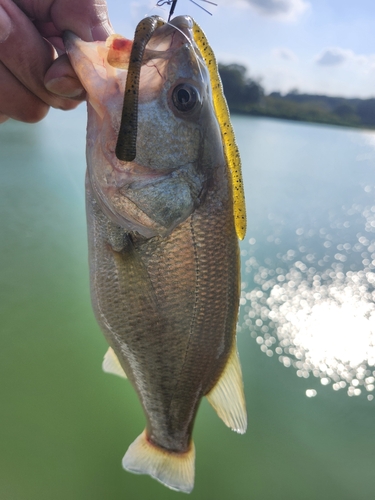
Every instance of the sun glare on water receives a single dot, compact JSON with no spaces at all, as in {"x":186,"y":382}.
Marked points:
{"x":315,"y":309}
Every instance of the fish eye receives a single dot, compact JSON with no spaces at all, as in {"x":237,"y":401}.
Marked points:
{"x":185,"y":97}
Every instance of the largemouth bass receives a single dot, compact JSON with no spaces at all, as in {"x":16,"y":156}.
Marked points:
{"x":163,"y":247}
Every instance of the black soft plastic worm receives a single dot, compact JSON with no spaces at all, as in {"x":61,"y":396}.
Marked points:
{"x":127,"y":137}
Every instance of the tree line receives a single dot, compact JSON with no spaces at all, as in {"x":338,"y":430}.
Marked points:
{"x":246,"y":95}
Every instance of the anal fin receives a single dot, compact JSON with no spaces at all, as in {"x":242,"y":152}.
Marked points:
{"x":111,"y":364}
{"x":227,"y":396}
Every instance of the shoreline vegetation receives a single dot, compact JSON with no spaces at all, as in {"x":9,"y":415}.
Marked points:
{"x":247,"y":96}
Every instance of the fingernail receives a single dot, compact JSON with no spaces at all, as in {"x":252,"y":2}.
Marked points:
{"x":65,"y":86}
{"x":5,"y":25}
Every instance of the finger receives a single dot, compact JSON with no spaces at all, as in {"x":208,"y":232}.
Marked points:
{"x":28,"y":62}
{"x":87,"y":19}
{"x":52,"y":34}
{"x":17,"y":102}
{"x":62,"y":80}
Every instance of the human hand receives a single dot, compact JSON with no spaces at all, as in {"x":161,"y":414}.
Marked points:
{"x":35,"y":72}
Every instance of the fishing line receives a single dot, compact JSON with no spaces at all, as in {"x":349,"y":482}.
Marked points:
{"x":191,"y":45}
{"x":200,"y":6}
{"x":173,"y":4}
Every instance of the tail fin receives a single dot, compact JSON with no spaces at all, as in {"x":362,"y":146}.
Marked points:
{"x":175,"y":470}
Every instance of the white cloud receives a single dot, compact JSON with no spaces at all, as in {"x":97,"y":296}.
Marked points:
{"x":284,"y":10}
{"x":285,"y":54}
{"x":334,"y":56}
{"x":337,"y":56}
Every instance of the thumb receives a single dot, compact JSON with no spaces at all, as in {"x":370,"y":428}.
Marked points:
{"x":61,"y":79}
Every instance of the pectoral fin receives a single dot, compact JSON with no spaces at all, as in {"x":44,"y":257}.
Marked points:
{"x":227,"y":397}
{"x":111,"y":364}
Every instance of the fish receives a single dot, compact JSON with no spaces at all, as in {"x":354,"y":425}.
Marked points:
{"x":163,"y":231}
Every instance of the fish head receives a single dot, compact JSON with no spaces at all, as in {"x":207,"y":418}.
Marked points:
{"x":178,"y":140}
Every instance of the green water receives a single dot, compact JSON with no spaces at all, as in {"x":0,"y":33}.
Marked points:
{"x":64,"y":425}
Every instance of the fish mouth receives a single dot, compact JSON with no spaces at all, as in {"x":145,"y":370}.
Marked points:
{"x":184,"y":24}
{"x":168,"y":34}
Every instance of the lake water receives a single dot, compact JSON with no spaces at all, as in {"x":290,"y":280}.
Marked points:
{"x":306,"y":328}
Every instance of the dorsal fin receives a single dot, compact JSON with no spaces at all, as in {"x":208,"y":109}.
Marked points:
{"x":227,"y":396}
{"x":111,"y":364}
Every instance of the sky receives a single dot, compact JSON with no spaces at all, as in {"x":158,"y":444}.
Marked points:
{"x":315,"y":46}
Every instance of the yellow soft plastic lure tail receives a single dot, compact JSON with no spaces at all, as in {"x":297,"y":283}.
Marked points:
{"x":231,"y":151}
